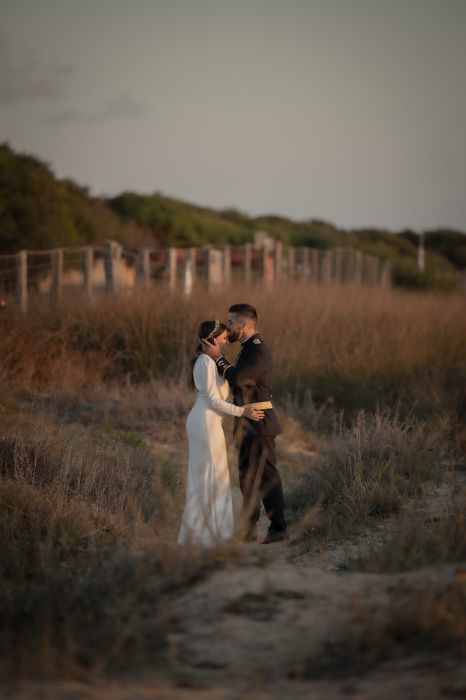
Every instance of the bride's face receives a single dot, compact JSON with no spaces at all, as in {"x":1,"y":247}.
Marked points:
{"x":222,"y":339}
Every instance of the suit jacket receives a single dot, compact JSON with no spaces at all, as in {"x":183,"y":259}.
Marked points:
{"x":251,"y":380}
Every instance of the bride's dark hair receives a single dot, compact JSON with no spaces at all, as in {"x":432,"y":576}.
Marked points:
{"x":207,"y":330}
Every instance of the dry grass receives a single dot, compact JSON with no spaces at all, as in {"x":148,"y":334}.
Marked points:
{"x":89,"y":520}
{"x":87,"y":550}
{"x":424,"y":624}
{"x":355,"y":348}
{"x":419,"y":538}
{"x":368,"y":469}
{"x":93,"y":402}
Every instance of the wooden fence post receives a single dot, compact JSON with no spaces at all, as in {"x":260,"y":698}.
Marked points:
{"x":227,"y":264}
{"x":304,"y":262}
{"x":338,"y":265}
{"x":376,"y":267}
{"x":143,"y":267}
{"x":189,"y":271}
{"x":350,"y":267}
{"x":193,"y":258}
{"x":87,"y":269}
{"x":188,"y":276}
{"x":112,"y":255}
{"x":214,"y":268}
{"x":247,"y":263}
{"x":371,"y":269}
{"x":22,"y":280}
{"x":269,"y":269}
{"x":57,"y":273}
{"x":358,"y":267}
{"x":314,"y":265}
{"x":172,"y":267}
{"x":291,"y":263}
{"x":206,"y":263}
{"x":386,"y":274}
{"x":278,"y":260}
{"x":326,"y":266}
{"x":346,"y":259}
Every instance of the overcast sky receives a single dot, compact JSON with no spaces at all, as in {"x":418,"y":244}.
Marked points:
{"x":352,"y":111}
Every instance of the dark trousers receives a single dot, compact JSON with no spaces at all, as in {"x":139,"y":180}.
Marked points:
{"x":259,"y":480}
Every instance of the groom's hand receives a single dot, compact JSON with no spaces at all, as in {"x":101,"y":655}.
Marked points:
{"x":211,"y":349}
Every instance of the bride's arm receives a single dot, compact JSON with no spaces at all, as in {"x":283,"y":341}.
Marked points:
{"x":205,"y":374}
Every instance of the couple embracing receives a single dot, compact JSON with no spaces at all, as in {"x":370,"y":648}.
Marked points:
{"x":208,"y":514}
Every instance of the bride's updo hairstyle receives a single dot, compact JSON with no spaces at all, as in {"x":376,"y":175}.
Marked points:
{"x":208,"y":330}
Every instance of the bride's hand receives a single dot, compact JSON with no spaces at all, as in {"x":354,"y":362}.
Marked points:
{"x":253,"y":413}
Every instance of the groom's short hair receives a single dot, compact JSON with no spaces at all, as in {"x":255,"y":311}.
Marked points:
{"x":244,"y":310}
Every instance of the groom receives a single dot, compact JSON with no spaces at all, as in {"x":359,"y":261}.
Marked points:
{"x":250,"y":379}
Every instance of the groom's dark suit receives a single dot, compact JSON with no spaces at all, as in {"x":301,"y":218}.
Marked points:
{"x":251,"y":378}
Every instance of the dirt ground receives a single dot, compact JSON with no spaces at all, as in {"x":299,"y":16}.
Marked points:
{"x":261,"y":630}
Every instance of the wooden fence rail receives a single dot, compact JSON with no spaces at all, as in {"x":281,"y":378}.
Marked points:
{"x":113,"y":269}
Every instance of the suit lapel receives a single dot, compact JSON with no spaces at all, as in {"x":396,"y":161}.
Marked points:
{"x":237,"y":356}
{"x":245,"y":344}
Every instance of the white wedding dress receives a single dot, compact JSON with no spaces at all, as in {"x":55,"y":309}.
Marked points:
{"x":208,"y":514}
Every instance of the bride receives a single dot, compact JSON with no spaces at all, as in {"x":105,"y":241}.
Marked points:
{"x":208,"y":514}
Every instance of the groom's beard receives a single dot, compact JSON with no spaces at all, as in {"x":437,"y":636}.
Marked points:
{"x":233,"y":336}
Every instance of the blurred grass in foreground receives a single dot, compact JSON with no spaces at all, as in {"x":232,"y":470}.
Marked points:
{"x":370,"y":384}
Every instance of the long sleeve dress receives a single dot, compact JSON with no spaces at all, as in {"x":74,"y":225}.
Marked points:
{"x":208,"y":514}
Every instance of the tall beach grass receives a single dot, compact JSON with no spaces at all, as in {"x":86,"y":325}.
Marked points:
{"x":92,"y":411}
{"x":353,"y":347}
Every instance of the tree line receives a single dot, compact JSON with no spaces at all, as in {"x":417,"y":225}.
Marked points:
{"x":38,"y":211}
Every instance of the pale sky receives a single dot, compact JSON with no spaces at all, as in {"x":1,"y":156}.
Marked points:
{"x":353,"y":111}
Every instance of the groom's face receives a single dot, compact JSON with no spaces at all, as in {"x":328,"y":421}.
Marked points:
{"x":235,"y":325}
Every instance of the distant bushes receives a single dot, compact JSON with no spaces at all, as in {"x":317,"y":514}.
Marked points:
{"x":173,"y":222}
{"x":38,"y":211}
{"x":445,"y":242}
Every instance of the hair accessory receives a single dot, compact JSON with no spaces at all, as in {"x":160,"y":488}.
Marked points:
{"x":213,"y":331}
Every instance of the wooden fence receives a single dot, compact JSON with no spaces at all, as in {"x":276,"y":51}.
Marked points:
{"x":113,"y":269}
